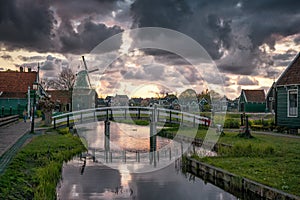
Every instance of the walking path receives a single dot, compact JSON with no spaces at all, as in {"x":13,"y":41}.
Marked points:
{"x":266,"y":133}
{"x":9,"y":135}
{"x":12,"y":139}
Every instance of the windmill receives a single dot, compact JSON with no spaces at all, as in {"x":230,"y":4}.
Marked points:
{"x":87,"y":71}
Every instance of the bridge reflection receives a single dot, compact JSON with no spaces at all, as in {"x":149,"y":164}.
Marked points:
{"x":137,"y":147}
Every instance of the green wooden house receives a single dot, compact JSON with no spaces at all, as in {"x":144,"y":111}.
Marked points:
{"x":252,"y":101}
{"x":14,"y":88}
{"x":288,"y":97}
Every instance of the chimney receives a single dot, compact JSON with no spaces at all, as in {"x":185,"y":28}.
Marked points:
{"x":29,"y":69}
{"x":21,"y":69}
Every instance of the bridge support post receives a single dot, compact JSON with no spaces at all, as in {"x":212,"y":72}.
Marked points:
{"x":139,"y":113}
{"x":107,"y":128}
{"x":153,"y":132}
{"x":107,"y":138}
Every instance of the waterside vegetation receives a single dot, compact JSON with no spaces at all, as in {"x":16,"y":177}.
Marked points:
{"x":36,"y":169}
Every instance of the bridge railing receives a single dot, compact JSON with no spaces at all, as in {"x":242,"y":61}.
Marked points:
{"x":128,"y":112}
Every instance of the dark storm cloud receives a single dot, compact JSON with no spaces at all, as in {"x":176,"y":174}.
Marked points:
{"x":32,"y":25}
{"x":74,"y":9}
{"x":6,"y":57}
{"x":244,"y":80}
{"x":297,"y":40}
{"x":26,"y":24}
{"x":89,"y":35}
{"x":288,"y":55}
{"x":31,"y":58}
{"x":236,"y":27}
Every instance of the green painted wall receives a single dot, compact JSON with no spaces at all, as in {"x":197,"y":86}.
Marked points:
{"x":255,"y":107}
{"x":282,"y":115}
{"x":12,"y":106}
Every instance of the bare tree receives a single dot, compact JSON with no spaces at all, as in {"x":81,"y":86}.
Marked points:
{"x":65,"y":80}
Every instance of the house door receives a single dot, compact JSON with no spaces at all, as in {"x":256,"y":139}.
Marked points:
{"x":242,"y":109}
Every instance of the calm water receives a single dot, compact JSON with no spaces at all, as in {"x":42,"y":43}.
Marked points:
{"x":85,"y":179}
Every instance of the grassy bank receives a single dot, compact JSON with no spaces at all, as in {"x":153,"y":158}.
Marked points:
{"x":270,"y":160}
{"x":36,"y":169}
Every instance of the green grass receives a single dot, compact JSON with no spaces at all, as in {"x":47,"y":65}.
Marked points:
{"x":271,"y":160}
{"x":36,"y":169}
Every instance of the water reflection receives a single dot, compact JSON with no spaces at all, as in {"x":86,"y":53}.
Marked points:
{"x":123,"y":137}
{"x":100,"y":182}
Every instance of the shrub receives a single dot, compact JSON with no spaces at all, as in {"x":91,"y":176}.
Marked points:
{"x":39,"y":113}
{"x":231,"y":123}
{"x":247,"y":150}
{"x":64,"y":131}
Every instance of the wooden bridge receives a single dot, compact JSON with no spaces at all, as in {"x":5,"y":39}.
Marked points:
{"x":129,"y":112}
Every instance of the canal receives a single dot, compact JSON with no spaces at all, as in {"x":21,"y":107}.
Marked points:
{"x":101,"y":175}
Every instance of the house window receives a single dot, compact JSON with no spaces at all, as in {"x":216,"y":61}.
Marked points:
{"x":293,"y":103}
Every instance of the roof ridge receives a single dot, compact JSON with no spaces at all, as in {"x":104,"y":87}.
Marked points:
{"x":288,"y":67}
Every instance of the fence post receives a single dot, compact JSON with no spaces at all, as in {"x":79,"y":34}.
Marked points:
{"x":81,"y":117}
{"x":194,"y":121}
{"x":94,"y":116}
{"x":54,"y":123}
{"x":68,"y":121}
{"x":10,"y":111}
{"x":126,"y":112}
{"x":139,"y":113}
{"x":170,"y":116}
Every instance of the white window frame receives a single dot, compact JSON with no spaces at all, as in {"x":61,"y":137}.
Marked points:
{"x":288,"y":102}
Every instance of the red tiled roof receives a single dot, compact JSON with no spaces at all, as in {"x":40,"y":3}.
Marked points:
{"x":61,"y":96}
{"x":13,"y":95}
{"x":255,"y":95}
{"x":16,"y":83}
{"x":291,"y":75}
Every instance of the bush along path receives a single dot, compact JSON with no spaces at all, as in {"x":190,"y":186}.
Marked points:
{"x":36,"y":169}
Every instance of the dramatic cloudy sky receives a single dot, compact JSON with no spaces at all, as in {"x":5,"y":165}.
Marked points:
{"x":251,"y":42}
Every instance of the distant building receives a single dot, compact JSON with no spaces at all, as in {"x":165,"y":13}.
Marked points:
{"x":252,"y":101}
{"x":287,"y":97}
{"x":220,"y":105}
{"x":101,"y":102}
{"x":136,"y":101}
{"x":61,"y":98}
{"x":121,"y":100}
{"x":232,"y":105}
